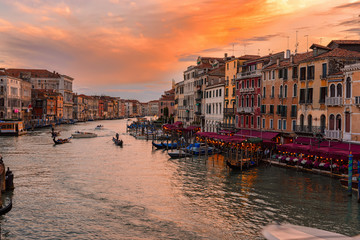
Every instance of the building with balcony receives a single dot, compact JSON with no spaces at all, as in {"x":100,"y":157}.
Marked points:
{"x":321,"y":89}
{"x":248,"y":91}
{"x":232,"y":68}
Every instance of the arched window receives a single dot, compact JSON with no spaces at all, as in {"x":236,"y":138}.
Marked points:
{"x":247,"y":101}
{"x":259,"y":101}
{"x":295,"y":90}
{"x":332,"y":122}
{"x":348,"y":87}
{"x":285,"y":91}
{"x":272,"y":91}
{"x":309,"y":123}
{"x":252,"y":101}
{"x":322,"y":123}
{"x":347,"y":122}
{"x":302,"y":122}
{"x":338,"y":122}
{"x":339,"y":90}
{"x":332,"y":90}
{"x":264,"y":92}
{"x":281,"y":91}
{"x":242,"y":101}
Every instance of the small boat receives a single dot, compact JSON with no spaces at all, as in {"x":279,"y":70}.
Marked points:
{"x":237,"y":166}
{"x":6,"y":208}
{"x":61,"y":140}
{"x":55,"y":134}
{"x":118,"y":142}
{"x":170,"y":145}
{"x":179,"y":154}
{"x":289,"y":231}
{"x":98,"y":127}
{"x":12,"y":128}
{"x":78,"y":134}
{"x":158,"y":145}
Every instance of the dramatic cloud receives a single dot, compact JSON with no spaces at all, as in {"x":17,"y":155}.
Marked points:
{"x":140,"y":46}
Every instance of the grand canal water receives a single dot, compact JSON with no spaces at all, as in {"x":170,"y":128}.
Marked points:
{"x":92,"y":189}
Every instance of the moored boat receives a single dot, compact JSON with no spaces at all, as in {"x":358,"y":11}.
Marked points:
{"x":12,"y":128}
{"x":179,"y":154}
{"x":78,"y":134}
{"x":158,"y":145}
{"x":6,"y":208}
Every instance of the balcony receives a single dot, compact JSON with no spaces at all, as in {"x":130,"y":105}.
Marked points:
{"x":198,"y":113}
{"x":227,"y":125}
{"x":309,"y":129}
{"x":248,"y":74}
{"x":333,"y":134}
{"x":198,"y":99}
{"x":246,"y":90}
{"x":229,"y":110}
{"x":333,"y":101}
{"x":245,"y":109}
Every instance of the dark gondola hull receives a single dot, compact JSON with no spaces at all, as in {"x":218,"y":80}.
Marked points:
{"x":245,"y":165}
{"x":6,"y":209}
{"x":61,"y":141}
{"x":158,"y":145}
{"x":117,"y":142}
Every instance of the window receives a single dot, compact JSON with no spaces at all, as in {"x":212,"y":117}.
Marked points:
{"x":247,"y":101}
{"x":284,"y":124}
{"x":271,"y":109}
{"x":252,"y":101}
{"x":247,"y":84}
{"x":348,"y":87}
{"x":264,"y":92}
{"x":347,"y":122}
{"x":237,"y":85}
{"x":293,"y":125}
{"x":295,"y":90}
{"x":293,"y":111}
{"x":252,"y":120}
{"x":302,"y":96}
{"x":217,"y":93}
{"x":324,"y":70}
{"x":258,"y":100}
{"x":271,"y":123}
{"x":281,"y":92}
{"x":243,"y":84}
{"x":226,"y":92}
{"x":285,"y":77}
{"x":253,"y":83}
{"x":285,"y":91}
{"x":242,"y":101}
{"x":272,"y":92}
{"x":264,"y":76}
{"x":295,"y":72}
{"x":258,"y":122}
{"x":209,"y":94}
{"x":263,"y":123}
{"x":263,"y":109}
{"x":332,"y":90}
{"x":303,"y":73}
{"x":280,"y":73}
{"x":247,"y":120}
{"x":323,"y":91}
{"x":309,"y":95}
{"x":242,"y":120}
{"x":220,"y":92}
{"x":259,"y":82}
{"x":233,"y":92}
{"x":332,"y":122}
{"x":339,"y":90}
{"x":311,"y":72}
{"x":273,"y":74}
{"x":227,"y":66}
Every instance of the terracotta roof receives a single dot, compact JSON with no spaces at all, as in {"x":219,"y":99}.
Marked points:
{"x":220,"y":71}
{"x":319,"y":46}
{"x":339,"y":52}
{"x":350,"y":42}
{"x":35,"y":73}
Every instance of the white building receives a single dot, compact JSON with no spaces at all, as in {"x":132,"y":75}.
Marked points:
{"x":214,"y":104}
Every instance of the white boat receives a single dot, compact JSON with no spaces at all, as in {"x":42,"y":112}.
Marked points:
{"x":289,"y":231}
{"x":78,"y":134}
{"x":98,"y":127}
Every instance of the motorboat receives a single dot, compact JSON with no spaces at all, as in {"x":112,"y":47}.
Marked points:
{"x":98,"y":127}
{"x":79,"y":134}
{"x":178,"y":154}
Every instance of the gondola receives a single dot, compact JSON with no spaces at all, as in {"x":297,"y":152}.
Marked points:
{"x":158,"y":145}
{"x":118,"y":142}
{"x":245,"y":165}
{"x":6,"y":208}
{"x":61,"y":140}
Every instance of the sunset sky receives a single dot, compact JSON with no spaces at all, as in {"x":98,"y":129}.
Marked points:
{"x":133,"y":49}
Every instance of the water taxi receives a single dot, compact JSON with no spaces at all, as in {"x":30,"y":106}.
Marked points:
{"x":12,"y":128}
{"x":78,"y":134}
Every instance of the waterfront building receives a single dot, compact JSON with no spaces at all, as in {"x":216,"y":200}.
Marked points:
{"x":153,"y":107}
{"x":26,"y":108}
{"x":248,"y":91}
{"x":44,"y":79}
{"x":179,"y":108}
{"x":280,"y":93}
{"x":214,"y":99}
{"x":233,"y":66}
{"x":11,"y":100}
{"x":166,"y":104}
{"x":44,"y":107}
{"x":122,"y":108}
{"x":80,"y":108}
{"x":194,"y":88}
{"x":343,"y":105}
{"x":315,"y":73}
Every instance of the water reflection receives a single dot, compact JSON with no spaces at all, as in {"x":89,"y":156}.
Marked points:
{"x":92,"y":189}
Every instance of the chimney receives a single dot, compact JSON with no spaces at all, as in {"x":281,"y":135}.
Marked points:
{"x":225,"y":56}
{"x":287,"y":56}
{"x":278,"y":61}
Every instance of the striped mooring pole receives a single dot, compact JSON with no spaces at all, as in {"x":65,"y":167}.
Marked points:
{"x":350,"y":174}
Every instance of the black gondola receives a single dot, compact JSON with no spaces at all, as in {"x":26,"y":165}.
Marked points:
{"x":6,"y":209}
{"x":118,"y":142}
{"x":245,"y":165}
{"x":158,"y":145}
{"x":61,"y":140}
